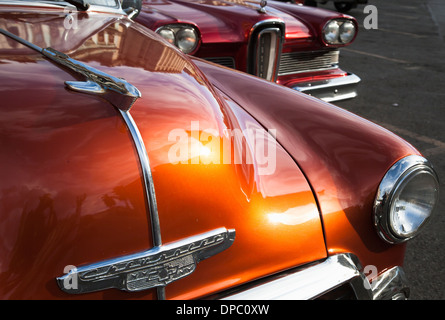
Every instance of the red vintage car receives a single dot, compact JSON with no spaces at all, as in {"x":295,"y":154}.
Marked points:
{"x":292,"y":45}
{"x":133,"y":171}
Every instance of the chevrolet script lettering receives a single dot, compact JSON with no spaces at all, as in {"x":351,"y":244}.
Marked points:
{"x":153,"y":268}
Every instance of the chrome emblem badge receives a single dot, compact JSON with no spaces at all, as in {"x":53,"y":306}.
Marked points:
{"x":153,"y":268}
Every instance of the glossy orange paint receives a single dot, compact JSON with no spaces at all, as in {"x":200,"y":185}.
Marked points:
{"x":71,"y":189}
{"x":275,"y":215}
{"x":343,"y":156}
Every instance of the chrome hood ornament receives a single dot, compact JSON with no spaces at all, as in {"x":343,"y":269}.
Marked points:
{"x":117,"y":91}
{"x":149,"y":269}
{"x":263,"y":4}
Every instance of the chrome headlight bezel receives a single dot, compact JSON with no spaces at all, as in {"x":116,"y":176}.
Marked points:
{"x":398,"y":177}
{"x":336,"y":35}
{"x":178,"y":29}
{"x":164,"y":32}
{"x":347,"y":32}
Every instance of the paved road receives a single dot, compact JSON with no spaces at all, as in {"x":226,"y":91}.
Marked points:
{"x":402,"y":66}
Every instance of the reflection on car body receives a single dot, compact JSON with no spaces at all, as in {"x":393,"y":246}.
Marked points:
{"x":92,"y":200}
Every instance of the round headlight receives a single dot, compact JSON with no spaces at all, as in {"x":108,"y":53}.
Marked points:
{"x":347,"y":32}
{"x":167,"y":34}
{"x":331,"y":32}
{"x":405,"y":199}
{"x":187,"y":39}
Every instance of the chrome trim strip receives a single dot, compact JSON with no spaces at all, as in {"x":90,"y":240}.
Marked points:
{"x":229,"y":235}
{"x":272,"y":22}
{"x":316,"y":280}
{"x":330,"y":90}
{"x":153,"y":268}
{"x":106,"y":9}
{"x":147,"y":177}
{"x":20,"y":40}
{"x":311,"y":282}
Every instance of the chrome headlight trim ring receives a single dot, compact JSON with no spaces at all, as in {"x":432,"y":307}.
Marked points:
{"x":180,"y":28}
{"x":331,"y":32}
{"x":337,"y":28}
{"x":391,"y":187}
{"x":182,"y":39}
{"x":167,"y":30}
{"x":347,"y":32}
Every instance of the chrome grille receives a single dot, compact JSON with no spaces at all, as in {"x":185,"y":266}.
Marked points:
{"x":224,"y":61}
{"x":268,"y":47}
{"x":264,"y":48}
{"x":297,"y":62}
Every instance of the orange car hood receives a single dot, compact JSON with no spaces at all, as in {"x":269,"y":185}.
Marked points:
{"x":273,"y":211}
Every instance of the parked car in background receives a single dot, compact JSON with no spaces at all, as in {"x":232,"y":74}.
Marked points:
{"x":295,"y":46}
{"x":133,"y":171}
{"x":341,"y":5}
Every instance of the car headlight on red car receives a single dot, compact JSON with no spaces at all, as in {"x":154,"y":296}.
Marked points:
{"x":184,"y":36}
{"x":347,"y":32}
{"x":406,"y":199}
{"x":168,"y":34}
{"x":339,"y":32}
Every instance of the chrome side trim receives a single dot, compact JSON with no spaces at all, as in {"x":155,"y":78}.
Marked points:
{"x":331,"y":90}
{"x":316,"y":280}
{"x":180,"y":261}
{"x":147,"y":177}
{"x":153,"y":268}
{"x":20,"y":40}
{"x":311,"y":282}
{"x":150,"y":195}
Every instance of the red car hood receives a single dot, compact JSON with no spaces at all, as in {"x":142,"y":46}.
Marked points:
{"x":71,"y":169}
{"x":230,"y":20}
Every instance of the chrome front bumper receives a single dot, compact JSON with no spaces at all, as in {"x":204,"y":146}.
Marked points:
{"x":318,"y":280}
{"x":331,"y":90}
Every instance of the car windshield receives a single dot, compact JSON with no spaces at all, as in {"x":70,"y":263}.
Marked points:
{"x":103,"y":3}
